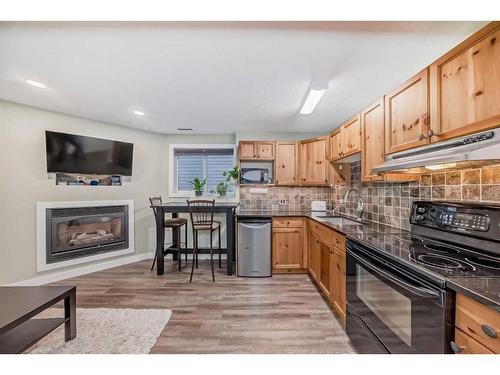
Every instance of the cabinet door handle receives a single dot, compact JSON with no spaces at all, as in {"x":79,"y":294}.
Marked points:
{"x":455,"y":347}
{"x":430,"y":133}
{"x":490,"y":331}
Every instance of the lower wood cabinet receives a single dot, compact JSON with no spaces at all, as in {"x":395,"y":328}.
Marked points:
{"x":288,"y":245}
{"x":339,"y":285}
{"x":464,"y":344}
{"x":477,"y":327}
{"x":314,"y":255}
{"x":326,"y":257}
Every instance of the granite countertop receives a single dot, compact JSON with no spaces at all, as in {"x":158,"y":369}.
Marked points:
{"x":366,"y":227}
{"x":483,"y":289}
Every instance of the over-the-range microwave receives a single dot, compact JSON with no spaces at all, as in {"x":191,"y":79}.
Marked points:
{"x":255,"y":176}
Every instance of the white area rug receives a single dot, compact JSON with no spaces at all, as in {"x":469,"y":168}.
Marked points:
{"x":106,"y":331}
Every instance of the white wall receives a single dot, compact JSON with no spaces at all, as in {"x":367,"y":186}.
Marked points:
{"x":24,"y":181}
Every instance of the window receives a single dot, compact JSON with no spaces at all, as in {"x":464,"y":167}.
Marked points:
{"x":191,"y":161}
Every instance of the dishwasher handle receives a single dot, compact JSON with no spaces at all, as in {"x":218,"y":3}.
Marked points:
{"x":254,"y":225}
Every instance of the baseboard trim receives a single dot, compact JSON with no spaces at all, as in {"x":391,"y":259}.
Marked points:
{"x":45,"y":279}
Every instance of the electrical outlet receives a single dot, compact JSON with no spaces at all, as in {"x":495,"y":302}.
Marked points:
{"x":282,"y":201}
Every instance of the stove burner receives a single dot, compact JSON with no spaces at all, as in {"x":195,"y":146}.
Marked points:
{"x":484,"y":262}
{"x":441,"y":248}
{"x":442,"y":262}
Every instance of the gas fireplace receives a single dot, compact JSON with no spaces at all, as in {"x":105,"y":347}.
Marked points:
{"x":77,"y":232}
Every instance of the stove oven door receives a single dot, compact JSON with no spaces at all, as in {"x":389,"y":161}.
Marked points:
{"x":404,"y":313}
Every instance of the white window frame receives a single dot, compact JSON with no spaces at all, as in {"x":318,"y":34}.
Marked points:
{"x":171,"y":168}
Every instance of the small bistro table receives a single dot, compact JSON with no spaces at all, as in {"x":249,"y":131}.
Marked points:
{"x":175,"y":208}
{"x":19,"y":304}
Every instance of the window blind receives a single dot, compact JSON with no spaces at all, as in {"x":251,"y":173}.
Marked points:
{"x":202,"y":163}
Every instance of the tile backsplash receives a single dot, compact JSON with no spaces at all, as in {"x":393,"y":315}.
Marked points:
{"x":283,"y":198}
{"x":385,"y":202}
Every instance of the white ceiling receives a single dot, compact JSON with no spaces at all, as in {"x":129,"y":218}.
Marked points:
{"x":216,"y":77}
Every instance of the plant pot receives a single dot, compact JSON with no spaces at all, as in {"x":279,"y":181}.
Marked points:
{"x":198,"y":193}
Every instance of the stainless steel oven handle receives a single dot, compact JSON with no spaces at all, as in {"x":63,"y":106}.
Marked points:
{"x":423,"y":292}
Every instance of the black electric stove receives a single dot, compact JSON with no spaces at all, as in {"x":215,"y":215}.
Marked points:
{"x":438,"y":259}
{"x":397,"y":299}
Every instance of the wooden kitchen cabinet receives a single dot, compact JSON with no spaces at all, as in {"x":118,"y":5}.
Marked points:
{"x":288,"y":252}
{"x":479,"y":323}
{"x":372,"y":140}
{"x":346,"y":140}
{"x":313,"y":164}
{"x":339,"y":283}
{"x":324,"y":278}
{"x":465,"y":86}
{"x":287,"y":163}
{"x":407,"y":115}
{"x":256,"y":150}
{"x":327,"y":264}
{"x":351,"y":136}
{"x":335,"y":145}
{"x":464,"y":344}
{"x":314,"y":255}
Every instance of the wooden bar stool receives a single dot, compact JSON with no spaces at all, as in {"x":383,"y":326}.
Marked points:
{"x":202,"y":219}
{"x":176,"y":225}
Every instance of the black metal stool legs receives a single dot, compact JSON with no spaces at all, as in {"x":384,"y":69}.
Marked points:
{"x":220,"y":263}
{"x":195,"y":254}
{"x":212,"y":255}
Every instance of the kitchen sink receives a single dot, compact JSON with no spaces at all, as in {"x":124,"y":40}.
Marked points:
{"x":337,"y":220}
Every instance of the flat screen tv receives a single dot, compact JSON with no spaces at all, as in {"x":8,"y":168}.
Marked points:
{"x":70,"y":153}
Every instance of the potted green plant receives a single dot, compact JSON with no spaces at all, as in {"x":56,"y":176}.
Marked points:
{"x":232,"y":174}
{"x":221,"y":189}
{"x":198,"y":186}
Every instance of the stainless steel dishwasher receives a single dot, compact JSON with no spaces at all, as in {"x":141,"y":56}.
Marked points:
{"x":253,"y":255}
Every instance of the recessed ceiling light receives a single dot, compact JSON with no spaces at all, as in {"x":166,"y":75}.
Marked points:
{"x":312,"y":101}
{"x":36,"y":84}
{"x":139,"y":113}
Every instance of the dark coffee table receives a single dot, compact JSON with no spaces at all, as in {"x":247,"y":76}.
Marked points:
{"x":19,"y":304}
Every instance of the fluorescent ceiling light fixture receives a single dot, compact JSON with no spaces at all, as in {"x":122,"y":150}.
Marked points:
{"x":441,"y":166}
{"x":312,"y":101}
{"x":138,"y":113}
{"x":36,"y":84}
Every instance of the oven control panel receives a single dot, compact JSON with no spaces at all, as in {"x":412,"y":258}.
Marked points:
{"x":457,"y":217}
{"x":476,"y":225}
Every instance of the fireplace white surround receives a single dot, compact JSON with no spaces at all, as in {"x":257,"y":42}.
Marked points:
{"x":41,"y":232}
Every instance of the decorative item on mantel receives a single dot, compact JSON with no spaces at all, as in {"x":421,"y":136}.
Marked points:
{"x":88,"y":180}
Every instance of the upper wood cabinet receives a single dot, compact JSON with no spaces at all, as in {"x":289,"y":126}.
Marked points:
{"x":351,"y":136}
{"x":346,"y":140}
{"x":335,"y":145}
{"x":287,"y":163}
{"x":465,"y":86}
{"x":256,"y":150}
{"x":407,"y":115}
{"x":313,"y":164}
{"x":372,"y":140}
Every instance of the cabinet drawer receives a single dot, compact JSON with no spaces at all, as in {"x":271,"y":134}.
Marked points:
{"x":324,"y":233}
{"x":479,"y":322}
{"x":288,"y":223}
{"x":468,"y":345}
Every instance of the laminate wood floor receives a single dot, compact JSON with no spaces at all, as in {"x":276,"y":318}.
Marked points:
{"x":281,"y":314}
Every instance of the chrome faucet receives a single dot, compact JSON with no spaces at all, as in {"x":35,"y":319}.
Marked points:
{"x":360,"y":208}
